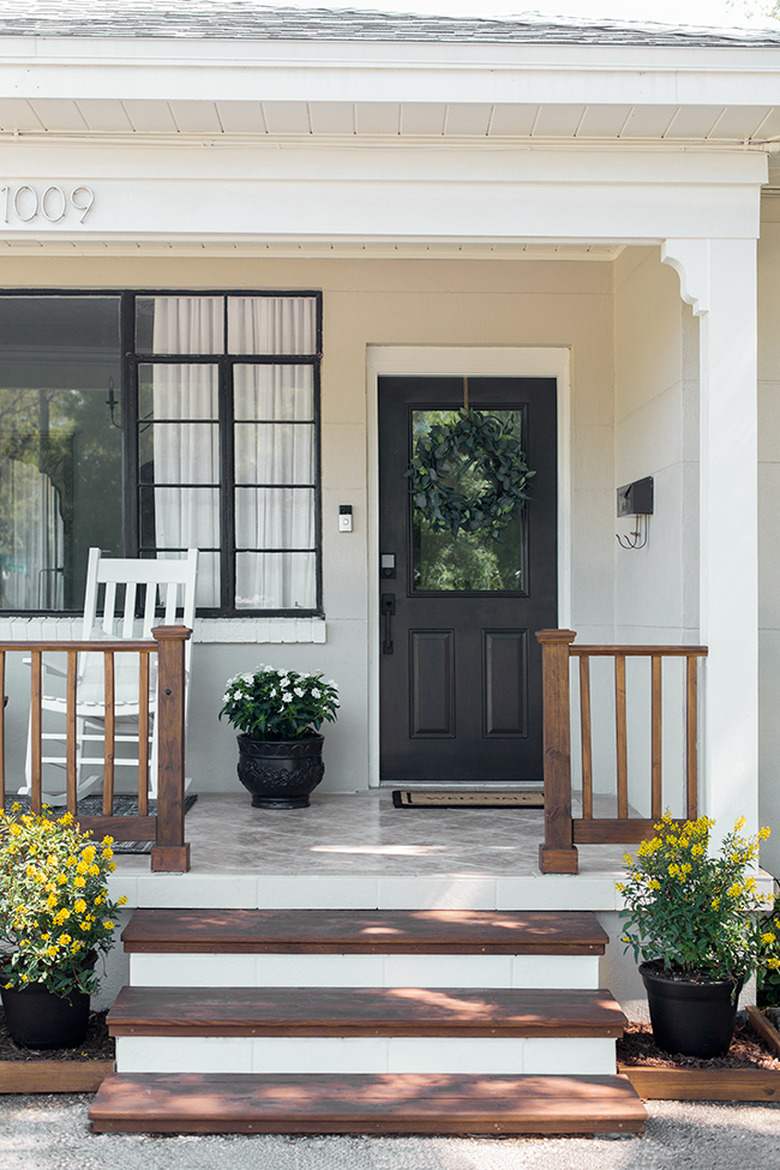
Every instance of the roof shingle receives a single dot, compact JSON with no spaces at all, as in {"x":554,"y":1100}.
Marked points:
{"x":246,"y":19}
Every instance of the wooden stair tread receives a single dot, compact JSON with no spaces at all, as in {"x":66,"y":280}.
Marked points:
{"x":386,"y":1103}
{"x":359,"y":1011}
{"x":364,"y":932}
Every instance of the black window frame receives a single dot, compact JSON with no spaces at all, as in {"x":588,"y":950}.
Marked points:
{"x":132,"y":360}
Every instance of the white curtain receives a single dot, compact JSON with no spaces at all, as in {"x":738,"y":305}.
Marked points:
{"x":274,"y":444}
{"x":33,"y":538}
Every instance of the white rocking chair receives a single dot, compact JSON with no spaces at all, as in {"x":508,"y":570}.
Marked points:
{"x":116,"y":591}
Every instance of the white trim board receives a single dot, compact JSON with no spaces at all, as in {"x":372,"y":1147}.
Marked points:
{"x":469,"y":361}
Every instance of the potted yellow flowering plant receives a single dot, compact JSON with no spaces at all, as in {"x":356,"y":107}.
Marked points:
{"x":695,"y":921}
{"x":56,"y":919}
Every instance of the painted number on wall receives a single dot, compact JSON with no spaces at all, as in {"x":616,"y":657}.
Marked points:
{"x":25,"y":203}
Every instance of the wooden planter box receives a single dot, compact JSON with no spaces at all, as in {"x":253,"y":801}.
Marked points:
{"x":53,"y":1076}
{"x":716,"y":1084}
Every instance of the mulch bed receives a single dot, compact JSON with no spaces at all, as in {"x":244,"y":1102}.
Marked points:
{"x":747,"y":1050}
{"x":97,"y":1045}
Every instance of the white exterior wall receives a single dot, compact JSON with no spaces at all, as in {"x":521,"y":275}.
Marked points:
{"x":768,"y":544}
{"x":656,"y":434}
{"x":397,"y":302}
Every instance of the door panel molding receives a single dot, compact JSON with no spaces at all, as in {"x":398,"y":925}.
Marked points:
{"x":471,"y":361}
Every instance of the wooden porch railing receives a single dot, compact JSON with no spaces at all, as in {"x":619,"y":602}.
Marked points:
{"x":170,"y":853}
{"x":563,"y":833}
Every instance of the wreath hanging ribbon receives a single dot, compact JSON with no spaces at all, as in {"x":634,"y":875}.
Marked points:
{"x":439,"y":460}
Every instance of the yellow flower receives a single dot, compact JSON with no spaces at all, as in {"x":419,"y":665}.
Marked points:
{"x":79,"y":881}
{"x":51,"y":952}
{"x":89,"y":854}
{"x":773,"y":964}
{"x":767,"y":937}
{"x":64,"y":939}
{"x":94,"y":870}
{"x":82,"y":867}
{"x":697,"y":850}
{"x":735,"y":890}
{"x":62,"y":878}
{"x":80,"y":906}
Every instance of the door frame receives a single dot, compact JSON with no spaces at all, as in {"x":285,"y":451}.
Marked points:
{"x":468,"y":361}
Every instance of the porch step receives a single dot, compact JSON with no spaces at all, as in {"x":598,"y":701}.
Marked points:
{"x":362,"y":1011}
{"x":219,"y":1103}
{"x":295,"y":948}
{"x":430,"y":932}
{"x":369,"y":1030}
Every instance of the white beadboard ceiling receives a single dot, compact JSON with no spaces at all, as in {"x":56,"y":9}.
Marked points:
{"x":660,"y":123}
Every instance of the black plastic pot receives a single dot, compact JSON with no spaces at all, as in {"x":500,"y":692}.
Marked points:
{"x":280,"y":773}
{"x":691,"y":1017}
{"x":36,"y":1018}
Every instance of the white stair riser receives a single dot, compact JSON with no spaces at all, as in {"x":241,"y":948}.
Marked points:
{"x":239,"y":1054}
{"x":274,"y":970}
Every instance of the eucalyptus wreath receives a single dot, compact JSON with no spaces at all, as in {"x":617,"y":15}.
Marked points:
{"x":499,"y":485}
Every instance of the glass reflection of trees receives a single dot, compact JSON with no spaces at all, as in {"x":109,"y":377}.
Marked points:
{"x":467,"y":563}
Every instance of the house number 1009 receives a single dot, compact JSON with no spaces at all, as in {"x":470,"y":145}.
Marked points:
{"x":24,"y":203}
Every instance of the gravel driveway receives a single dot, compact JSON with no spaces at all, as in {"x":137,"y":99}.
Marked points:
{"x":51,"y":1133}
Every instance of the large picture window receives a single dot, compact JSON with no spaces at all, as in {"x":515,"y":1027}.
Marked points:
{"x":205,"y":434}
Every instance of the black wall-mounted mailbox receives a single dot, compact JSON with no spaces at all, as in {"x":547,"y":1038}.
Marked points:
{"x":636,"y":499}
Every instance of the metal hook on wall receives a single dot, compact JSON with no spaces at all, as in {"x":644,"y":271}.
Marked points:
{"x":636,"y":539}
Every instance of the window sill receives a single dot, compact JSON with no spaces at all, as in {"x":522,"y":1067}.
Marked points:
{"x":207,"y":630}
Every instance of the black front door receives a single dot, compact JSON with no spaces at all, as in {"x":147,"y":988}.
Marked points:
{"x":460,"y":666}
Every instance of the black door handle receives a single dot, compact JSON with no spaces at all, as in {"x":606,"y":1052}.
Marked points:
{"x":388,"y":612}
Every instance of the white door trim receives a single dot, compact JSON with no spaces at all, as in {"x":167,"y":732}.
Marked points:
{"x":470,"y":361}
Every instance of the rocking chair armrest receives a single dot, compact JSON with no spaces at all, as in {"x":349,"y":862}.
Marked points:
{"x":48,"y":668}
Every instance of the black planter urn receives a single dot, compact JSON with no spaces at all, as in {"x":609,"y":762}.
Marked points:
{"x":280,"y":773}
{"x":37,"y":1018}
{"x":690,"y":1017}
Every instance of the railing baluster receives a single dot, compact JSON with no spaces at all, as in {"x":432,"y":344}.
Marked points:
{"x":143,"y":734}
{"x":71,"y":716}
{"x":36,"y":743}
{"x":656,"y":735}
{"x":691,"y":738}
{"x":109,"y":746}
{"x":621,"y":736}
{"x":585,"y":739}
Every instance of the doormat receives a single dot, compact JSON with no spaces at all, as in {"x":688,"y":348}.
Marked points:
{"x":447,"y":798}
{"x":92,"y":806}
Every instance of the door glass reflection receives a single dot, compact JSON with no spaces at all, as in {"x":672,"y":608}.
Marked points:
{"x":471,"y":562}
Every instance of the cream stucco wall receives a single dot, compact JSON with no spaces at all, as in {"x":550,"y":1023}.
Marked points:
{"x":396,"y":302}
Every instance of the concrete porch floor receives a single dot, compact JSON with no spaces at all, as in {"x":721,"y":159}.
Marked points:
{"x":358,"y":851}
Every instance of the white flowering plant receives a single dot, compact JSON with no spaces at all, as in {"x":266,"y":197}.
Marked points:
{"x":55,"y":914}
{"x":691,"y":913}
{"x":279,"y":704}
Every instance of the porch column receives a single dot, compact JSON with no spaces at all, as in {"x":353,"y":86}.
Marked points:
{"x":718,"y":278}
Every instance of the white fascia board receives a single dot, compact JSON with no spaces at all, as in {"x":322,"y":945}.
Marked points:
{"x":400,"y":194}
{"x":383,"y":72}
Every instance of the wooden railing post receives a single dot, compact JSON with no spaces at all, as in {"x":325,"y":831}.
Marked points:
{"x":170,"y":853}
{"x":558,"y":853}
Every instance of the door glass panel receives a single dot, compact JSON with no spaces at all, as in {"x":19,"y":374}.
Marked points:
{"x":471,"y":562}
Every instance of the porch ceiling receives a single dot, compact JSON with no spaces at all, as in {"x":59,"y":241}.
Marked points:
{"x":714,"y":124}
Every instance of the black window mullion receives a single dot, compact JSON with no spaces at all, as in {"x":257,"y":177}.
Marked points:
{"x":131,"y":536}
{"x":227,"y":516}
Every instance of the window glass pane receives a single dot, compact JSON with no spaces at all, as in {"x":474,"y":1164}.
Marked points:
{"x":172,"y":452}
{"x":270,"y":325}
{"x":179,"y":325}
{"x":274,"y":453}
{"x":207,"y":593}
{"x":177,"y":391}
{"x":276,"y":581}
{"x":179,"y":517}
{"x":274,"y":392}
{"x":274,"y":518}
{"x":60,"y":445}
{"x":470,"y":562}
